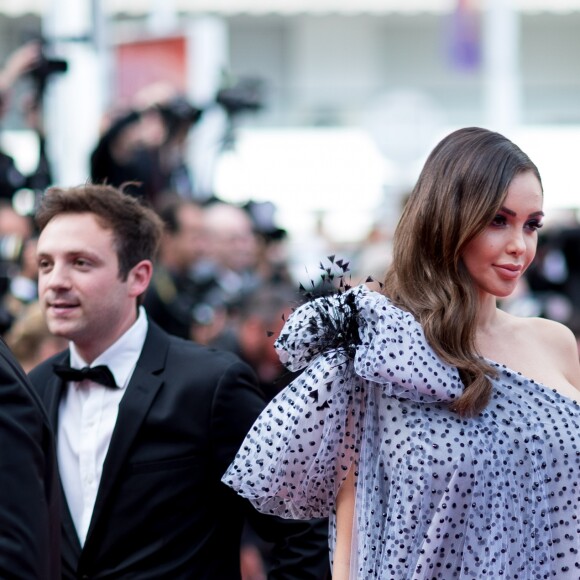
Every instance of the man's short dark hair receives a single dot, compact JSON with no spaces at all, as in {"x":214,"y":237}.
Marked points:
{"x":136,"y":228}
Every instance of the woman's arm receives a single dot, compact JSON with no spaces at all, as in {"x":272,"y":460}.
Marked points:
{"x":344,"y":524}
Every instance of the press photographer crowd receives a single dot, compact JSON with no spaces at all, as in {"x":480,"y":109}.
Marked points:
{"x":218,"y":276}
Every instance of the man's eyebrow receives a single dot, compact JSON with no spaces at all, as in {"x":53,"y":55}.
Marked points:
{"x":71,"y":254}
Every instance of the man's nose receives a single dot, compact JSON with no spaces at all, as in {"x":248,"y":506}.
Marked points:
{"x":58,"y":277}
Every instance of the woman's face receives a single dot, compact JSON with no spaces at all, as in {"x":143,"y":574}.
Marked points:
{"x":497,"y":258}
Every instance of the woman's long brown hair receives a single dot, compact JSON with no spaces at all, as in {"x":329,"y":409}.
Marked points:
{"x":460,"y":190}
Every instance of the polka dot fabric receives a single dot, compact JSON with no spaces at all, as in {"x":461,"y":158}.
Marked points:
{"x":437,"y":496}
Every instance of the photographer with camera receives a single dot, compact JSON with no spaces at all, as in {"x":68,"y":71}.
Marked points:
{"x":20,"y":62}
{"x":146,"y":146}
{"x":30,"y":61}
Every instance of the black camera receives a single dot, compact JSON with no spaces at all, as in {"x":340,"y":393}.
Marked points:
{"x":44,"y":69}
{"x":247,"y":94}
{"x":179,"y":114}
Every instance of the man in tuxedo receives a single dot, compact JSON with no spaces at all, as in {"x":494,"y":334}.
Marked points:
{"x":30,"y":496}
{"x":144,"y":438}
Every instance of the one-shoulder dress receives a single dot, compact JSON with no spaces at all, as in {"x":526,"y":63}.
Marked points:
{"x":437,"y":495}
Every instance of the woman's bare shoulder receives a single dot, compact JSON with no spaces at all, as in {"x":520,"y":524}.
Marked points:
{"x":556,"y":340}
{"x":550,"y":330}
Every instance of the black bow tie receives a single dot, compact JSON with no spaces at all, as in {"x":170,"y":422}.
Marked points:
{"x":100,"y":374}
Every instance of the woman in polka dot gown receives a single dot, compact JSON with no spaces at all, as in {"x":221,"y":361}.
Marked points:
{"x":439,"y":434}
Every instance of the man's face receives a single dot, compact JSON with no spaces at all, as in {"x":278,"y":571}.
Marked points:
{"x":190,"y":240}
{"x":232,"y":242}
{"x":81,"y":293}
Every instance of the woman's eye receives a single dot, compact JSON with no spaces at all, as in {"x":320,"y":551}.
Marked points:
{"x":498,"y":220}
{"x":534,"y":225}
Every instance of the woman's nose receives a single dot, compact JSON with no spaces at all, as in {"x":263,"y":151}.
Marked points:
{"x":517,"y":243}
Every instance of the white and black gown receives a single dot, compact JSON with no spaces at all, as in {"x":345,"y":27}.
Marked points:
{"x":437,"y":495}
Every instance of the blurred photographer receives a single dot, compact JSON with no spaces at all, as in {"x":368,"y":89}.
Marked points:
{"x":29,"y":61}
{"x":147,"y":145}
{"x":18,"y":270}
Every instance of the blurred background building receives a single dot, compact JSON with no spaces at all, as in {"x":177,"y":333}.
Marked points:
{"x":346,"y":96}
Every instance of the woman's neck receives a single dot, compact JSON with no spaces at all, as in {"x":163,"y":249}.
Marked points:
{"x":487,"y":316}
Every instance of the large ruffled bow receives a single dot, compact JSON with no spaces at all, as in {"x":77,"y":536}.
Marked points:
{"x":384,"y":344}
{"x":356,"y":349}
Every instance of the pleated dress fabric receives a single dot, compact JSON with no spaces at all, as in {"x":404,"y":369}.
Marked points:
{"x":437,"y":495}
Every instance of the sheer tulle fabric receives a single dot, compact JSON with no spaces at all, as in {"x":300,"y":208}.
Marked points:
{"x":437,"y":496}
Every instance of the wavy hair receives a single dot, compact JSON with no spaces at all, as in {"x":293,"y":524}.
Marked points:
{"x":461,"y":188}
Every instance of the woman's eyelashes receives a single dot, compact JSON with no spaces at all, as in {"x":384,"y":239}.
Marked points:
{"x":501,"y":220}
{"x":534,"y":224}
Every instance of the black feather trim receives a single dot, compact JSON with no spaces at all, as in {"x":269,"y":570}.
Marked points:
{"x":338,"y":320}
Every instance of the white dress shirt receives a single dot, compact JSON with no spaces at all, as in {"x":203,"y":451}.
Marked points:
{"x":87,"y":416}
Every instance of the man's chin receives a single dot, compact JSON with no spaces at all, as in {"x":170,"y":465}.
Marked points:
{"x":59,"y":329}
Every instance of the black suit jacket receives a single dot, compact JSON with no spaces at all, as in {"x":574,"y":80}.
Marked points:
{"x":29,"y":488}
{"x":161,"y":510}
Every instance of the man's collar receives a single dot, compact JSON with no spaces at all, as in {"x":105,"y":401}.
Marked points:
{"x":121,"y":357}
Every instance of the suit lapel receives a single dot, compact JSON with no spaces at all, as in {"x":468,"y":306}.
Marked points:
{"x":53,"y":394}
{"x":54,"y":390}
{"x":141,"y":391}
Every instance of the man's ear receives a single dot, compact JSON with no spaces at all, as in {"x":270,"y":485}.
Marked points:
{"x":139,"y":277}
